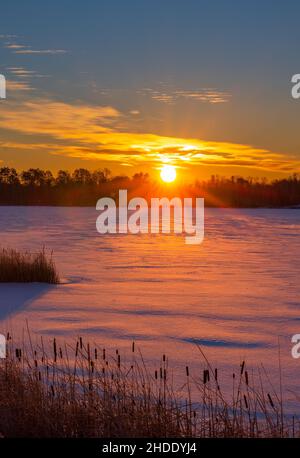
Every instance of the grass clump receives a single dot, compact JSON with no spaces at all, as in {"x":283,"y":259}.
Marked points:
{"x":81,"y":391}
{"x":25,"y":267}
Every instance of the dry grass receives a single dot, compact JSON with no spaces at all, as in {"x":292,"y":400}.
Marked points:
{"x":81,"y":392}
{"x":26,"y":267}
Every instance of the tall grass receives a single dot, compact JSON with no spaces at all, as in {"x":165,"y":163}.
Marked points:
{"x":79,"y":391}
{"x":27,"y":267}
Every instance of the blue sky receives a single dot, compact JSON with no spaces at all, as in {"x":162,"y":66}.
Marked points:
{"x":213,"y":71}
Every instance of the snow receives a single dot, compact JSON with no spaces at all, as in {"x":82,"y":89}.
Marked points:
{"x":235,"y":295}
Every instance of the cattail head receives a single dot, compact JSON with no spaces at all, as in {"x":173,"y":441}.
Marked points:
{"x":205,"y":376}
{"x":242,"y":367}
{"x":55,"y":350}
{"x":271,"y":401}
{"x":246,"y":378}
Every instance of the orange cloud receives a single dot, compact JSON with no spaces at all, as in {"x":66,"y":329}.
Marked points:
{"x":90,"y":132}
{"x":18,"y":86}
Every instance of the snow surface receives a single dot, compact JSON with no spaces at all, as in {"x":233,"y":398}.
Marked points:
{"x":235,"y":295}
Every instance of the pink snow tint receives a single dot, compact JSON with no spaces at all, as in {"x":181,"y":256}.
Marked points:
{"x":234,"y":295}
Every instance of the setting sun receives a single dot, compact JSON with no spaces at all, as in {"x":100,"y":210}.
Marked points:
{"x":168,"y":173}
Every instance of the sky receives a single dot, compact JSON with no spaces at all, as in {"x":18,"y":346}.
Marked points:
{"x":131,"y":85}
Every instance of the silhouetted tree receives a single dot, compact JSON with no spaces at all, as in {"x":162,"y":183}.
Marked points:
{"x":9,"y":176}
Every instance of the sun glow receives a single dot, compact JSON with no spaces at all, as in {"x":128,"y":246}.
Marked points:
{"x":168,"y":173}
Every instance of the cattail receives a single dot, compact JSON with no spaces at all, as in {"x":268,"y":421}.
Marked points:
{"x":40,"y":376}
{"x":54,"y":350}
{"x":80,"y":343}
{"x":52,"y":390}
{"x":242,"y":367}
{"x":246,"y":378}
{"x":18,"y":353}
{"x":88,"y":352}
{"x":216,"y":374}
{"x":77,"y":348}
{"x":92,"y":366}
{"x":96,"y":353}
{"x":60,"y":353}
{"x":165,"y":374}
{"x":103,"y":354}
{"x":187,"y":371}
{"x":164,"y":358}
{"x":205,"y":376}
{"x":160,"y":372}
{"x":246,"y":403}
{"x":271,"y":401}
{"x":133,"y":347}
{"x":155,"y":375}
{"x":119,"y":361}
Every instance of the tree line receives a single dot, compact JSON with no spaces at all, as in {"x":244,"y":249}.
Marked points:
{"x":84,"y":187}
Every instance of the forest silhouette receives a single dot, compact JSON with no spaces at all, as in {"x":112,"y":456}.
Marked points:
{"x":83,"y":187}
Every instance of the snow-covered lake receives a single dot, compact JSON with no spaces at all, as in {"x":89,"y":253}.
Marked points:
{"x":236,"y":294}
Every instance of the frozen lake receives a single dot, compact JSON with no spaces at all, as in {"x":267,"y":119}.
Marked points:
{"x":236,"y":294}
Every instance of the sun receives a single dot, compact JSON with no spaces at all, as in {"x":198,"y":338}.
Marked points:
{"x":168,"y":173}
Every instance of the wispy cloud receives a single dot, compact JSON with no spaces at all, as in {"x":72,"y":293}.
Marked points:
{"x":93,"y":132}
{"x":13,"y":46}
{"x":40,"y":51}
{"x":171,"y":96}
{"x":18,"y":86}
{"x":7,"y":36}
{"x":21,"y":72}
{"x":210,"y":95}
{"x":19,"y":48}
